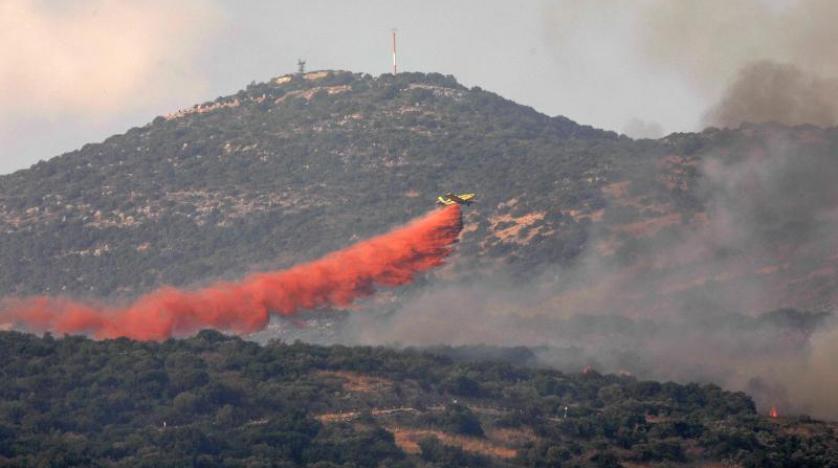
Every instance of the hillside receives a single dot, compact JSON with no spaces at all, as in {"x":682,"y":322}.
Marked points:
{"x":288,"y":169}
{"x":213,"y":400}
{"x":284,"y":171}
{"x":705,"y":257}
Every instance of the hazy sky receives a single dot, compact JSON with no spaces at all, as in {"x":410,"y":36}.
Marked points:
{"x":78,"y":71}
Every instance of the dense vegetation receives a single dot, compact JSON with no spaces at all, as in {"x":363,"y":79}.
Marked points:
{"x":246,"y":181}
{"x":211,"y":193}
{"x":213,"y":399}
{"x":289,"y":169}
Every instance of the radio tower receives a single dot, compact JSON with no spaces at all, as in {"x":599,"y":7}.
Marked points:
{"x":395,"y":69}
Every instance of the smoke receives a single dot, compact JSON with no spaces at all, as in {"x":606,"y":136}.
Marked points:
{"x":783,"y":362}
{"x":769,"y":60}
{"x":781,"y":358}
{"x":736,"y":293}
{"x":781,"y":93}
{"x":81,"y":70}
{"x":93,"y":57}
{"x":711,"y":40}
{"x":639,"y":128}
{"x":337,"y":279}
{"x":745,"y":60}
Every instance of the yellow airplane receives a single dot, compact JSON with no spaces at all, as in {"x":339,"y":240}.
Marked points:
{"x":451,"y":199}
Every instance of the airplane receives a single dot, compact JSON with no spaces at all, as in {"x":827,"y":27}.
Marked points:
{"x":451,"y":199}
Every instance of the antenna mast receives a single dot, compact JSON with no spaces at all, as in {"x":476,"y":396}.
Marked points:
{"x":395,"y":68}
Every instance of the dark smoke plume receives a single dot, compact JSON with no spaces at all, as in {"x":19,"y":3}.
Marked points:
{"x":749,"y":60}
{"x":770,"y":61}
{"x":773,"y":92}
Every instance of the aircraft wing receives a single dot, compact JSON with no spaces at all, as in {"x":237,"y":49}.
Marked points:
{"x":451,"y":199}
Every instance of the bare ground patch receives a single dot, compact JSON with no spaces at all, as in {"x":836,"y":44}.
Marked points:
{"x":408,"y":440}
{"x":359,"y":383}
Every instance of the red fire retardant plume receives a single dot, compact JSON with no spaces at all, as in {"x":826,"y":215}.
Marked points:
{"x":245,"y":306}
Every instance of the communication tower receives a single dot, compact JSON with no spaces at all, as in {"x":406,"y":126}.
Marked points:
{"x":395,"y":68}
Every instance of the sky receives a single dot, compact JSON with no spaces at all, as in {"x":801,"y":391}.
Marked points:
{"x":78,"y":71}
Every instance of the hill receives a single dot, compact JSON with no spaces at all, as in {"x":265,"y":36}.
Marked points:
{"x":706,"y":256}
{"x":288,"y":169}
{"x":280,"y":172}
{"x":213,"y":400}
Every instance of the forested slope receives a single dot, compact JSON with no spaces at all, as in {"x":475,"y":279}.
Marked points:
{"x":211,"y":400}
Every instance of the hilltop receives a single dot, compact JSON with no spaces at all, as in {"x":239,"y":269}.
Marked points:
{"x":284,"y":171}
{"x":288,"y":169}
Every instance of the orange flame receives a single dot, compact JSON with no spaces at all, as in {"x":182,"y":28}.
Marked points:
{"x":773,"y":412}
